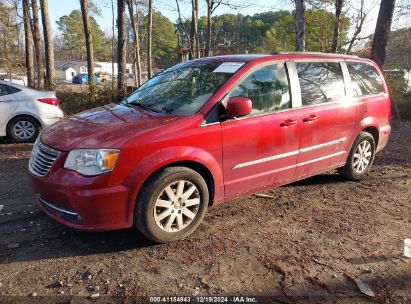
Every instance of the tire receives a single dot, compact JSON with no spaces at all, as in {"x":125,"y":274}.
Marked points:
{"x":23,"y":129}
{"x":356,"y":167}
{"x":172,"y":221}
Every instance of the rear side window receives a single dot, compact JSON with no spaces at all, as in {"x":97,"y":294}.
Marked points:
{"x":12,"y":90}
{"x":365,"y":79}
{"x":320,"y":82}
{"x":3,"y":90}
{"x":268,"y":89}
{"x":6,"y":89}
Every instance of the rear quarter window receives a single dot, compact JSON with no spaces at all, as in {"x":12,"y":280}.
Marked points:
{"x":13,"y":90}
{"x":7,"y":90}
{"x":3,"y":90}
{"x":365,"y":80}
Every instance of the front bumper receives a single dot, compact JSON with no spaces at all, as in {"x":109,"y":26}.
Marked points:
{"x":83,"y":203}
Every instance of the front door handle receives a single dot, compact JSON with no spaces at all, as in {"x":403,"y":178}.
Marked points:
{"x":310,"y":118}
{"x":288,"y":123}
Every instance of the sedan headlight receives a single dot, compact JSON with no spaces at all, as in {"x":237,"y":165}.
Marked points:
{"x":92,"y":162}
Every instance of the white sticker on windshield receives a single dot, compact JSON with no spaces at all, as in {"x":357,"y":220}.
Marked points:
{"x":228,"y":67}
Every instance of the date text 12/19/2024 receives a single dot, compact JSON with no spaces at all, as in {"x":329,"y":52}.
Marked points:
{"x":205,"y":299}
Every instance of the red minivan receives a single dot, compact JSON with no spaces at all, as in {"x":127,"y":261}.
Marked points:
{"x":208,"y":131}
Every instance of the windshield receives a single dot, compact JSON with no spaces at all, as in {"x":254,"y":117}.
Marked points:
{"x":182,"y":89}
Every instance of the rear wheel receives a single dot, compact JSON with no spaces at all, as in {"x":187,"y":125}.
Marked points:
{"x":23,"y":129}
{"x":171,"y":204}
{"x":360,"y":159}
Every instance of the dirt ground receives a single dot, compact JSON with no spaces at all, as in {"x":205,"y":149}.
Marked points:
{"x":306,"y":242}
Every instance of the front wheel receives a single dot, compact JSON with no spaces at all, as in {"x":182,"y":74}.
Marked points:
{"x":360,"y":159}
{"x":171,"y":204}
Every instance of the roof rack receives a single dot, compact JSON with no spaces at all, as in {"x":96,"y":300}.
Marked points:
{"x":308,"y":53}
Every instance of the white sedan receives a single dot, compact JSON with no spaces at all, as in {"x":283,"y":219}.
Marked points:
{"x":24,"y":111}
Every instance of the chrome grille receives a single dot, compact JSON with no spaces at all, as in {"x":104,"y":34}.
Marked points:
{"x":42,"y":158}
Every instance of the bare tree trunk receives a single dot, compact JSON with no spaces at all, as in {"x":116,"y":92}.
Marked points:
{"x":336,"y":36}
{"x":358,"y":27}
{"x":137,"y":60}
{"x":149,"y":39}
{"x":382,"y":31}
{"x":194,"y":30}
{"x":300,"y":25}
{"x":197,"y":39}
{"x":210,"y":4}
{"x":28,"y":40}
{"x":37,"y":44}
{"x":48,"y":44}
{"x":89,"y":43}
{"x":112,"y":46}
{"x":191,"y":55}
{"x":121,"y":46}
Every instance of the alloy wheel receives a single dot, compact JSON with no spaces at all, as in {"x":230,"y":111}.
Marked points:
{"x":177,"y":206}
{"x":362,"y":156}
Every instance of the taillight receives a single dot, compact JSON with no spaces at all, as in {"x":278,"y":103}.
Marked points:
{"x":50,"y":100}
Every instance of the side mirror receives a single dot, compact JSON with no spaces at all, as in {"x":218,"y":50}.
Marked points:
{"x":239,"y":106}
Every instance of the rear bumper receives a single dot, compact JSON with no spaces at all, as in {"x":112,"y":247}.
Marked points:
{"x":83,"y":203}
{"x":51,"y":119}
{"x":384,"y":135}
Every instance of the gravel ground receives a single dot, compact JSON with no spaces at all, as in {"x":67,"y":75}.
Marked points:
{"x":305,"y":242}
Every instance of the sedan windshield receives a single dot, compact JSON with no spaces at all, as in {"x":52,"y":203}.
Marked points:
{"x":180,"y":90}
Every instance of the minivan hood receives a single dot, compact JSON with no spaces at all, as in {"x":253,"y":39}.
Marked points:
{"x":102,"y":127}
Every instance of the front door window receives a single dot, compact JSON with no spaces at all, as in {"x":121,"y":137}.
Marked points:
{"x":267,"y":88}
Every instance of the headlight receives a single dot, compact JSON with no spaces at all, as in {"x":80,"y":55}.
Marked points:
{"x":92,"y":162}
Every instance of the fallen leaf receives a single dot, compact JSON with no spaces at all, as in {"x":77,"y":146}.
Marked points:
{"x":364,"y":288}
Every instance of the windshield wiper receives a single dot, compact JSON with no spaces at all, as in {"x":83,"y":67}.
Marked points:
{"x":137,"y":104}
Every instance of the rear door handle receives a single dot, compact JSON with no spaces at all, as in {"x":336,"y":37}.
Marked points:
{"x":288,"y":123}
{"x":310,"y":118}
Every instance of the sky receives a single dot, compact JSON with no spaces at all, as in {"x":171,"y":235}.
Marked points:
{"x":58,"y":8}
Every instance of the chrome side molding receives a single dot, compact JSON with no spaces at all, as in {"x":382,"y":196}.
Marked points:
{"x":292,"y":153}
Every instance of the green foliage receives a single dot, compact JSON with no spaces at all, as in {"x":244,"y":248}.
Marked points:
{"x":320,"y":30}
{"x":399,"y":50}
{"x":280,"y":36}
{"x":400,"y":95}
{"x":164,"y":43}
{"x":72,"y":30}
{"x":269,"y":31}
{"x":10,"y":37}
{"x":226,"y":33}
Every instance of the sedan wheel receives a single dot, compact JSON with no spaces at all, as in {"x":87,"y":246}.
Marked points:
{"x":24,"y":130}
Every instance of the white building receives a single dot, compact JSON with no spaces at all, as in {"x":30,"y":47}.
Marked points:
{"x":107,"y":67}
{"x":67,"y":69}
